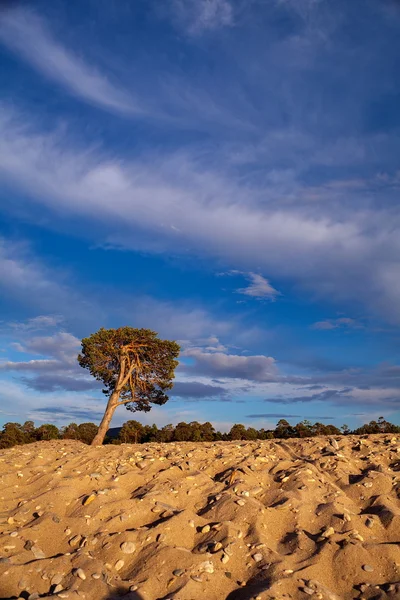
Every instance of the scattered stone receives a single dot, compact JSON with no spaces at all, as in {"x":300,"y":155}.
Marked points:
{"x":128,"y":547}
{"x":207,"y":566}
{"x":368,"y":568}
{"x":37,"y":552}
{"x":80,"y":573}
{"x":328,"y":532}
{"x":205,"y":529}
{"x":257,"y":557}
{"x":89,"y":499}
{"x":119,"y":564}
{"x":178,"y":572}
{"x":224,"y":559}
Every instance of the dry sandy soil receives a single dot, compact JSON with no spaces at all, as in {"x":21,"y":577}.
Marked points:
{"x":296,"y":519}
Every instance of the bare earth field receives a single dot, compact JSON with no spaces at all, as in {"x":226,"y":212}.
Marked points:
{"x":295,"y":519}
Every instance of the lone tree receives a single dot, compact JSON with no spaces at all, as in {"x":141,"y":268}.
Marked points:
{"x":135,"y":366}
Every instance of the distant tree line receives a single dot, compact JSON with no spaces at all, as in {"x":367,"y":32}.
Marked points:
{"x":133,"y":432}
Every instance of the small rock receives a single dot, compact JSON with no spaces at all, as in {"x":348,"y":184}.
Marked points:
{"x":37,"y":552}
{"x":205,"y":529}
{"x":119,"y":564}
{"x":224,"y":559}
{"x":178,"y":572}
{"x":80,"y":573}
{"x":128,"y":547}
{"x":196,"y":578}
{"x":207,"y":566}
{"x":307,"y":590}
{"x":216,"y":547}
{"x":56,"y":579}
{"x":368,"y":568}
{"x":89,"y":499}
{"x":240,"y":502}
{"x":57,"y":589}
{"x":328,"y":532}
{"x":96,"y":575}
{"x":257,"y":557}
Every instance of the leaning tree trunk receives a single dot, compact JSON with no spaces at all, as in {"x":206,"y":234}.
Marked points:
{"x":106,"y":420}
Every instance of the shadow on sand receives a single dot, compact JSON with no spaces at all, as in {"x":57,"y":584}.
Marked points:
{"x":120,"y":593}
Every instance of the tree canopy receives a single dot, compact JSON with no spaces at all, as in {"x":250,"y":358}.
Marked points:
{"x":135,"y":367}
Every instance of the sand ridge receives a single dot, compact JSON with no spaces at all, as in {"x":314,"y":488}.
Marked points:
{"x":278,"y":519}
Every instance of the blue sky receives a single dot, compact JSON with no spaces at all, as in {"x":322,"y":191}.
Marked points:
{"x":224,"y":172}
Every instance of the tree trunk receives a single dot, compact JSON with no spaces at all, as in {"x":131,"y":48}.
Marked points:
{"x":106,"y":420}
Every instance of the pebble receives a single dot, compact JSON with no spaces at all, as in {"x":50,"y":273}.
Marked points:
{"x":57,"y":589}
{"x":178,"y":572}
{"x":89,"y":499}
{"x":368,"y":568}
{"x":205,"y":529}
{"x":309,"y":591}
{"x":37,"y":552}
{"x":128,"y":547}
{"x":14,"y":534}
{"x":56,"y":579}
{"x":96,"y":575}
{"x":224,"y":559}
{"x":207,"y":566}
{"x":80,"y":573}
{"x":328,"y":532}
{"x":241,"y":502}
{"x":119,"y":564}
{"x":257,"y":557}
{"x":196,"y":578}
{"x":74,"y":541}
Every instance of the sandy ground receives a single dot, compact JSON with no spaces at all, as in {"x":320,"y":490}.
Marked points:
{"x":295,"y":519}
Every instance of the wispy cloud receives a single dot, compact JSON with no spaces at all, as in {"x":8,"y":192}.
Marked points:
{"x":341,"y":322}
{"x":220,"y":364}
{"x":26,"y":34}
{"x":188,"y":205}
{"x":259,"y":287}
{"x":198,"y":16}
{"x":30,"y":283}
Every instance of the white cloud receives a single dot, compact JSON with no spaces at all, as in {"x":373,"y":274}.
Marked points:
{"x":27,"y":35}
{"x":179,"y":204}
{"x":341,"y":322}
{"x":219,"y":364}
{"x":259,"y":287}
{"x":198,"y":16}
{"x":37,"y":323}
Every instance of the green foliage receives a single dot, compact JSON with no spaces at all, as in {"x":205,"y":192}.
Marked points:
{"x":135,"y":363}
{"x":132,"y":431}
{"x":47,"y":432}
